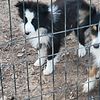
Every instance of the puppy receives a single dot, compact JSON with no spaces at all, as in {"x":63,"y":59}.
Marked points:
{"x":94,"y":72}
{"x":54,"y":20}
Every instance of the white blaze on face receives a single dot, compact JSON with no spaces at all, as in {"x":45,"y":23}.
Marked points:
{"x":28,"y":26}
{"x":33,"y":37}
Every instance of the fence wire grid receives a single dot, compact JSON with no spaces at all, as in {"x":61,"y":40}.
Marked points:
{"x":21,"y":80}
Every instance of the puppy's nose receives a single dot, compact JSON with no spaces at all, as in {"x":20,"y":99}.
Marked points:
{"x":96,"y":46}
{"x":27,"y":33}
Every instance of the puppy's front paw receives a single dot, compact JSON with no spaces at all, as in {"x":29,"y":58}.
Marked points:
{"x":39,"y":62}
{"x":49,"y":68}
{"x":47,"y":71}
{"x":81,"y":51}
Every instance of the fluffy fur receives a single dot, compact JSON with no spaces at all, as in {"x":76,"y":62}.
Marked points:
{"x":36,"y":16}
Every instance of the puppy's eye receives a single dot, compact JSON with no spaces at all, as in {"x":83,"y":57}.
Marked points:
{"x":96,"y":46}
{"x":34,"y":20}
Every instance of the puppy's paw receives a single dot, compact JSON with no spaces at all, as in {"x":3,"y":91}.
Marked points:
{"x":39,"y":63}
{"x":81,"y":51}
{"x":47,"y":71}
{"x":49,"y":68}
{"x":89,"y":85}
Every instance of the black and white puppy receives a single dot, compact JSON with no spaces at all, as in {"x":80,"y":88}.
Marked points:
{"x":38,"y":19}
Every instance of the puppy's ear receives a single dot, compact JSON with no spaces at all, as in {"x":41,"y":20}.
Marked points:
{"x":94,"y":27}
{"x":19,"y":4}
{"x":94,"y":31}
{"x":43,"y":9}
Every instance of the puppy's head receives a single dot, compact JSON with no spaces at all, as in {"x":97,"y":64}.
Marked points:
{"x":32,"y":15}
{"x":95,"y":36}
{"x":95,"y":45}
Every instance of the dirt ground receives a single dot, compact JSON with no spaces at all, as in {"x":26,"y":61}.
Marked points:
{"x":19,"y":57}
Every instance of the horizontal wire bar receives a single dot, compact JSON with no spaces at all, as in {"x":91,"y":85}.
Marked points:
{"x":23,"y":39}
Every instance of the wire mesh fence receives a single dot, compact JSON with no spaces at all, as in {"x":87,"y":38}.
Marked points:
{"x":21,"y":80}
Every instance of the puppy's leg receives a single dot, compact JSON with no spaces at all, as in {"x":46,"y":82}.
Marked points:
{"x":50,"y":65}
{"x":41,"y":56}
{"x":81,"y":50}
{"x":91,"y":81}
{"x":42,"y":52}
{"x":52,"y":58}
{"x":81,"y":38}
